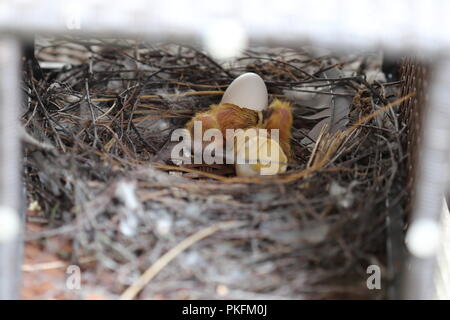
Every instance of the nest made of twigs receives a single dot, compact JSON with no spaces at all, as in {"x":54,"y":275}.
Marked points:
{"x":96,"y":163}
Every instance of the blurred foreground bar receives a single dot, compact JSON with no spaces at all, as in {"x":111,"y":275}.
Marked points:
{"x":10,"y":162}
{"x":398,"y":26}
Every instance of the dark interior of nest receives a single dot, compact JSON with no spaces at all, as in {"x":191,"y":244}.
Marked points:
{"x":99,"y":111}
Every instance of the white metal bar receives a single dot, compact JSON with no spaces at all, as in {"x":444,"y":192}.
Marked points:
{"x":10,"y":247}
{"x":442,"y":278}
{"x":401,"y":25}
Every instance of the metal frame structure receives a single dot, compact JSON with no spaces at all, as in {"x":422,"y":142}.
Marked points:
{"x":399,"y":27}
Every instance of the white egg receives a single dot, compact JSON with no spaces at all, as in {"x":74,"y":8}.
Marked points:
{"x":247,"y":91}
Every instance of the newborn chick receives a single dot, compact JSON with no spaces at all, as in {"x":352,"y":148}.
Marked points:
{"x":256,"y":152}
{"x":280,"y":117}
{"x":224,"y":116}
{"x":264,"y":154}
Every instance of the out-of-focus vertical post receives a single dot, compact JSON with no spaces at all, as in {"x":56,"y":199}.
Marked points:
{"x":10,"y":221}
{"x":423,"y":237}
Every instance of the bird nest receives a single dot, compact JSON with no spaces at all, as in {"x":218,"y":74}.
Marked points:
{"x":103,"y":193}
